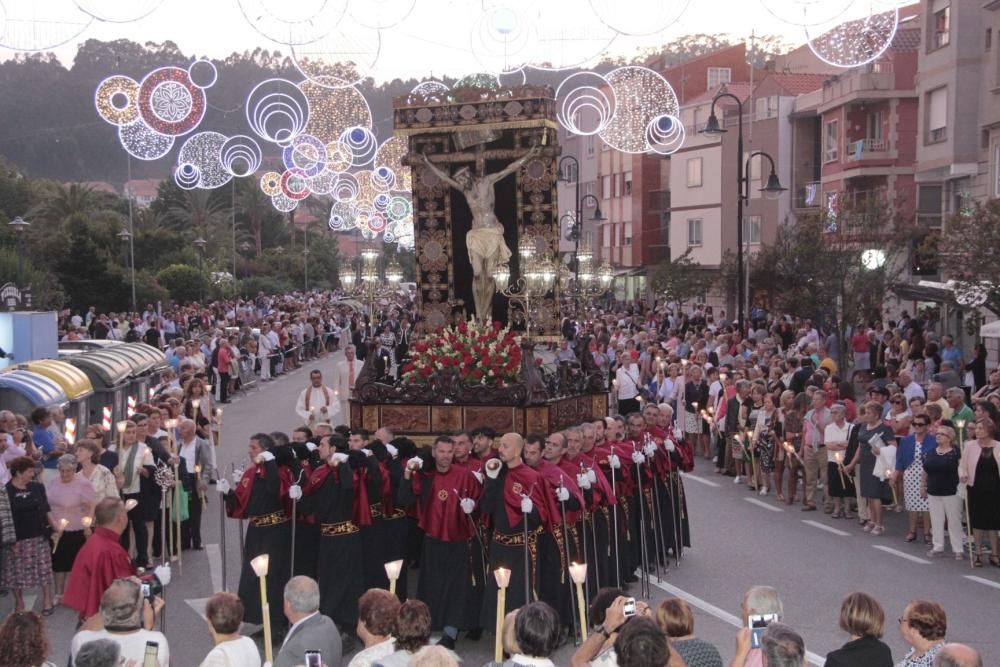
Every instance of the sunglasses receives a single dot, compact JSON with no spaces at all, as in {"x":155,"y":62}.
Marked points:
{"x":921,"y":423}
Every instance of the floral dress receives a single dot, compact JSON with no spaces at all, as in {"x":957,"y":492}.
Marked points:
{"x":765,"y":439}
{"x":912,"y":478}
{"x":926,"y":660}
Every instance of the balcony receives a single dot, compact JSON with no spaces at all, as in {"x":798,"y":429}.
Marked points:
{"x":867,"y":149}
{"x":809,"y":195}
{"x":875,"y":83}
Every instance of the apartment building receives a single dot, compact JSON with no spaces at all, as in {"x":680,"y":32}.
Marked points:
{"x":990,"y":100}
{"x":584,"y":150}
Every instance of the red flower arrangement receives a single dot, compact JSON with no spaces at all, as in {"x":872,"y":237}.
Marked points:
{"x":478,"y":353}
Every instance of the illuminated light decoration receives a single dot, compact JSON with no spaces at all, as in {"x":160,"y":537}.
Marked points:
{"x":295,"y":184}
{"x":503,"y":38}
{"x":41,"y":25}
{"x":240,"y":155}
{"x":640,"y":96}
{"x":270,"y":183}
{"x":291,"y":23}
{"x":367,"y":234}
{"x":854,"y":43}
{"x":116,"y":11}
{"x":383,"y":178}
{"x":338,"y":156}
{"x":402,"y":233}
{"x":399,"y":208}
{"x":665,"y":134}
{"x":514,"y":78}
{"x":639,"y":17}
{"x":390,"y":154}
{"x":568,"y":38}
{"x":381,"y":14}
{"x":585,"y":96}
{"x":117,"y":100}
{"x":277,"y":111}
{"x":323,"y":183}
{"x":341,"y":216}
{"x":389,"y":235}
{"x":377,"y":223}
{"x":141,"y":142}
{"x":333,"y":110}
{"x":204,"y":150}
{"x":203,"y":74}
{"x":170,"y":103}
{"x":381,"y":202}
{"x":347,"y":188}
{"x":307,"y":153}
{"x":807,"y":12}
{"x":187,"y":175}
{"x":341,"y":58}
{"x":363,"y":212}
{"x":366,"y":189}
{"x":283,"y":203}
{"x":362,"y":144}
{"x":481,"y":80}
{"x":428,"y":88}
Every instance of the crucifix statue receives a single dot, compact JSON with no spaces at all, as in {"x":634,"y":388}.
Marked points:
{"x":484,"y":241}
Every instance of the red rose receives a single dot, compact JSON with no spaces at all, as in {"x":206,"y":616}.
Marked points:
{"x":477,"y":373}
{"x":425,"y":371}
{"x":486,"y":360}
{"x":467,"y":360}
{"x":408,"y":368}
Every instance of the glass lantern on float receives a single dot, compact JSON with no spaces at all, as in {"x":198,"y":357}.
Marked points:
{"x":368,"y":280}
{"x":538,"y":277}
{"x":587,"y":283}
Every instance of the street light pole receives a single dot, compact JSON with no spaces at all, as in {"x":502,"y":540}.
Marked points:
{"x":578,"y":203}
{"x":131,"y":231}
{"x":201,"y":243}
{"x":20,"y":226}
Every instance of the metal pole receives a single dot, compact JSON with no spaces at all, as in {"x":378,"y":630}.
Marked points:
{"x":527,"y":563}
{"x":675,"y":509}
{"x":614,"y":509}
{"x":643,"y":554}
{"x":739,"y":215}
{"x":222,"y":533}
{"x":131,"y":231}
{"x":569,"y":581}
{"x":233,"y":211}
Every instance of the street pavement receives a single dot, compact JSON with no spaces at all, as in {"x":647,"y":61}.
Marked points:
{"x":740,"y":540}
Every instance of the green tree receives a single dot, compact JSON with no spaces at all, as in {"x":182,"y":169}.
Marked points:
{"x":184,"y":283}
{"x":680,"y":279}
{"x":971,"y":250}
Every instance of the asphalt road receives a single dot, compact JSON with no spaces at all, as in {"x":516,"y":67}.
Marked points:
{"x":740,"y":540}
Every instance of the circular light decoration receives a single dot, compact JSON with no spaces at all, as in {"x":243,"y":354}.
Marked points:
{"x":381,"y":14}
{"x":323,"y":183}
{"x":807,"y":12}
{"x":338,"y":156}
{"x":377,"y":223}
{"x":971,"y":295}
{"x":383,"y":178}
{"x":854,"y":43}
{"x":277,"y":111}
{"x":202,"y":73}
{"x":346,"y":190}
{"x":399,"y":208}
{"x":204,"y":151}
{"x":639,"y":17}
{"x":341,"y":58}
{"x":333,"y":110}
{"x":141,"y":142}
{"x":295,"y":184}
{"x":640,"y":96}
{"x":283,"y":203}
{"x":240,"y":155}
{"x":873,"y":259}
{"x":187,"y":175}
{"x":116,"y":100}
{"x":363,"y":213}
{"x":503,"y":39}
{"x":169,"y":102}
{"x":362,"y":144}
{"x":665,"y":134}
{"x":292,"y":23}
{"x":367,"y":234}
{"x":567,"y":39}
{"x":428,"y":88}
{"x":270,"y":183}
{"x":390,"y":154}
{"x":585,"y":103}
{"x":381,"y":201}
{"x":116,"y":11}
{"x":341,"y":216}
{"x":480,"y":80}
{"x":307,"y":153}
{"x":41,"y":24}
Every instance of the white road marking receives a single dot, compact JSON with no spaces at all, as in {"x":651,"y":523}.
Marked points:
{"x":980,"y":580}
{"x":760,"y":503}
{"x":717,"y":612}
{"x":901,"y":554}
{"x":29,"y":601}
{"x":829,"y":529}
{"x":214,"y":554}
{"x":700,"y":480}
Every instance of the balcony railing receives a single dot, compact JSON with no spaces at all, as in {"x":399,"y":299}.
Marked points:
{"x":809,"y":195}
{"x":863,"y":148}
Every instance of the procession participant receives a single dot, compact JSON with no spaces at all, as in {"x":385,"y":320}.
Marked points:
{"x":463,"y":449}
{"x":445,"y":498}
{"x":259,"y":497}
{"x":329,"y":496}
{"x":481,"y":450}
{"x":591,"y":479}
{"x":306,"y":527}
{"x":368,"y":486}
{"x":344,"y":376}
{"x":316,"y":404}
{"x":482,"y":443}
{"x":135,"y":462}
{"x":679,"y":458}
{"x":639,"y":450}
{"x":301,"y":434}
{"x":612,"y":456}
{"x":394,"y":527}
{"x":195,"y":455}
{"x":512,"y":498}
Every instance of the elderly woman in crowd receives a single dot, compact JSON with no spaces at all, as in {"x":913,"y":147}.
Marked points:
{"x":981,"y":472}
{"x":837,"y":435}
{"x":377,"y":611}
{"x":940,"y":486}
{"x":224,"y":613}
{"x":71,"y":498}
{"x":88,"y":455}
{"x":862,"y":618}
{"x":23,"y":642}
{"x":910,"y":455}
{"x":413,"y":631}
{"x":923,"y":626}
{"x":28,"y":562}
{"x":872,"y":437}
{"x":676,"y":619}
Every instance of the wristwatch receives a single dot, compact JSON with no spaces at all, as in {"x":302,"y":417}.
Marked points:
{"x":601,"y":630}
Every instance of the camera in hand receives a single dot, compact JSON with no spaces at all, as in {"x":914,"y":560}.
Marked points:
{"x":757,"y":624}
{"x":151,"y":586}
{"x":629,"y":609}
{"x":314,"y":659}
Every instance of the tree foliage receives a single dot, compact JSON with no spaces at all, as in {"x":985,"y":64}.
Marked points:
{"x":971,"y":248}
{"x":680,"y":279}
{"x":183,"y":282}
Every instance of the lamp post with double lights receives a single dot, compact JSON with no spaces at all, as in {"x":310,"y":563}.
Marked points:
{"x":22,"y":292}
{"x":538,"y":276}
{"x":772,"y":190}
{"x":201,"y":243}
{"x":367,"y":282}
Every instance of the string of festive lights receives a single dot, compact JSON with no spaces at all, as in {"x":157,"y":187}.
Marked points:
{"x":381,"y":14}
{"x":639,"y":17}
{"x":117,"y":100}
{"x":293,"y":22}
{"x":241,"y":155}
{"x":277,"y":111}
{"x":640,"y":96}
{"x":142,"y":143}
{"x":854,"y":43}
{"x":503,"y":38}
{"x":665,"y":134}
{"x":37,"y":26}
{"x":333,"y":110}
{"x":204,"y":151}
{"x":807,"y":12}
{"x":116,"y":11}
{"x":362,"y":143}
{"x":187,"y":175}
{"x":341,"y":58}
{"x":169,"y":102}
{"x":585,"y":97}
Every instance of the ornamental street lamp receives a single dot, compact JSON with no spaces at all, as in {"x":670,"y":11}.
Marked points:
{"x":20,"y":227}
{"x":201,"y":243}
{"x":368,"y":282}
{"x":538,"y":276}
{"x":582,"y":284}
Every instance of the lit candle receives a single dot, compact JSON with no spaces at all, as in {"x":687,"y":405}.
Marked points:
{"x":259,"y":565}
{"x":502,"y":576}
{"x":131,"y":504}
{"x":392,"y":570}
{"x":87,"y":521}
{"x":578,"y":573}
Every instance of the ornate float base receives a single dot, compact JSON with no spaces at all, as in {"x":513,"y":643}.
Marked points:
{"x":423,"y":422}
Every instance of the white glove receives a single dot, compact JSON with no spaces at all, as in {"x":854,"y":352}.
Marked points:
{"x":295,"y":492}
{"x":393,"y":452}
{"x":526,"y":505}
{"x":614,"y":461}
{"x":163,"y":574}
{"x":649,"y":450}
{"x":591,"y":476}
{"x":265,"y":456}
{"x":562,"y":494}
{"x":237,"y":477}
{"x":478,"y":475}
{"x":311,"y":446}
{"x":222,"y":486}
{"x":678,"y":433}
{"x":416,"y":463}
{"x":583,"y":481}
{"x":638,"y":458}
{"x":338,"y":457}
{"x":468,"y":505}
{"x":492,"y":469}
{"x":669,"y":444}
{"x":367,"y":451}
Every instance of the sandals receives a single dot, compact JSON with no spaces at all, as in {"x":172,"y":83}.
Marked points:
{"x":836,"y":514}
{"x":977,"y":561}
{"x":48,"y":612}
{"x":911,"y":537}
{"x":995,"y":561}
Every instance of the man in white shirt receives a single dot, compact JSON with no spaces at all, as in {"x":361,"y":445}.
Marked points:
{"x":317,"y":403}
{"x":264,"y":350}
{"x":910,"y":388}
{"x":124,"y":613}
{"x":135,"y":461}
{"x":344,"y":376}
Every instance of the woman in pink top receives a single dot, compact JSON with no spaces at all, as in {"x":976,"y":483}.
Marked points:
{"x":70,"y":499}
{"x":980,"y":470}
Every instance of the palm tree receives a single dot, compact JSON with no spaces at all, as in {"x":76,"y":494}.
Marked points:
{"x":60,"y":202}
{"x":254,"y":205}
{"x":199,"y":214}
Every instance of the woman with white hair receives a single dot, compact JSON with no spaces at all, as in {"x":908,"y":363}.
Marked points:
{"x":71,"y":498}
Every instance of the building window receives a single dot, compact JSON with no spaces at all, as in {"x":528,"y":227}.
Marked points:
{"x":752,"y":231}
{"x":694,"y":172}
{"x":628,"y":183}
{"x":929,"y":206}
{"x":588,"y":189}
{"x":694,"y":232}
{"x":996,"y":170}
{"x":937,"y":116}
{"x":606,"y":234}
{"x":605,"y":187}
{"x":590,"y":144}
{"x":832,"y":141}
{"x":876,"y":130}
{"x":617,"y":178}
{"x":941,"y":27}
{"x":718,"y":76}
{"x":628,"y":233}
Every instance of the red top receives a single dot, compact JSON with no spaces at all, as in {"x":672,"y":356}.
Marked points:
{"x":442,"y":517}
{"x":524,"y":480}
{"x":101,"y":560}
{"x":556,"y":477}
